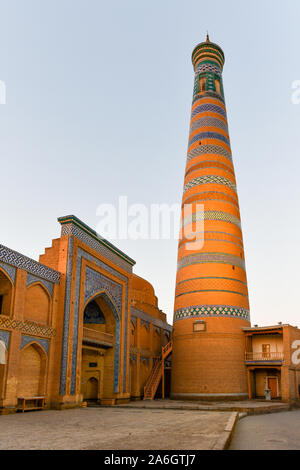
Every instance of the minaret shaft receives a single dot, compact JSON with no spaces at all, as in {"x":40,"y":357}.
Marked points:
{"x":211,"y":298}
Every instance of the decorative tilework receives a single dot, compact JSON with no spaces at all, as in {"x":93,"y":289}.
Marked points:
{"x":204,"y":165}
{"x":83,"y":254}
{"x":31,"y":279}
{"x":93,"y":315}
{"x":64,"y":355}
{"x":203,"y":258}
{"x":5,"y":337}
{"x":211,"y":215}
{"x":209,"y":135}
{"x":212,"y":311}
{"x":209,"y":179}
{"x":29,"y":339}
{"x":209,"y":240}
{"x":27,"y":327}
{"x":208,"y":108}
{"x":211,"y":196}
{"x":208,"y":94}
{"x":206,"y":67}
{"x":95,"y":281}
{"x":10,"y":270}
{"x":27,"y":264}
{"x":209,"y":149}
{"x":208,"y":122}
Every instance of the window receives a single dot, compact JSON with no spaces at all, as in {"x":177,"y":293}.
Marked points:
{"x":199,"y":326}
{"x":1,"y":302}
{"x":202,"y":84}
{"x":218,"y":87}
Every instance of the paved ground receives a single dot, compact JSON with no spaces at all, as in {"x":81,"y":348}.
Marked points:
{"x":280,"y":431}
{"x":248,"y":406}
{"x":115,"y":429}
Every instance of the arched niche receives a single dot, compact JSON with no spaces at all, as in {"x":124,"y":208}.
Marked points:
{"x":37,"y":303}
{"x":145,"y":336}
{"x":6,"y":293}
{"x":32,"y":371}
{"x":133,"y":334}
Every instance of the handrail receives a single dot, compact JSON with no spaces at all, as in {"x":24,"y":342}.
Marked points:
{"x":264,"y":356}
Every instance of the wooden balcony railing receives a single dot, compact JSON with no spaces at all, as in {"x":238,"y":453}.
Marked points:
{"x":98,"y":337}
{"x":260,"y":356}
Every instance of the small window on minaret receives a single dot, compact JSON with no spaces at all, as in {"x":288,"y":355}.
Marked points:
{"x":202,"y":84}
{"x":218,"y":87}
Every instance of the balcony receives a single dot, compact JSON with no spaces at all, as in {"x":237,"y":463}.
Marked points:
{"x":264,"y":357}
{"x":97,"y":338}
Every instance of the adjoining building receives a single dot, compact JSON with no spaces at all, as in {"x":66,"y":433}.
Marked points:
{"x":272,"y":361}
{"x":77,"y":325}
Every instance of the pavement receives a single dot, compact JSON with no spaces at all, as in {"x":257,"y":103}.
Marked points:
{"x":117,"y":428}
{"x":245,"y":406}
{"x":280,"y":431}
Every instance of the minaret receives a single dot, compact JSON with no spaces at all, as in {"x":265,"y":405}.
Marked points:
{"x":211,"y":298}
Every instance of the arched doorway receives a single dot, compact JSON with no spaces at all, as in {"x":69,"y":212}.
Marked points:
{"x":5,"y":294}
{"x":92,"y":388}
{"x":32,"y":371}
{"x":98,"y":348}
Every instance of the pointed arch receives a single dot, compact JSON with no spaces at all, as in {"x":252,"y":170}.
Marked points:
{"x":104,"y":294}
{"x":37,"y":303}
{"x":32,"y":370}
{"x":6,"y":292}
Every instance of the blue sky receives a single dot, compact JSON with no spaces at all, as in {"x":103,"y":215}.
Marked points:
{"x":98,"y":105}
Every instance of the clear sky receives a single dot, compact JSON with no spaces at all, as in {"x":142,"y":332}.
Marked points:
{"x":98,"y":105}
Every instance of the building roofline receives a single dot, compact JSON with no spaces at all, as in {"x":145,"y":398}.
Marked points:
{"x":72,"y":219}
{"x":261,"y":328}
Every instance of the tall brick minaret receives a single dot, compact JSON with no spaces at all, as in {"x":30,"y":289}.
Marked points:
{"x":211,"y":298}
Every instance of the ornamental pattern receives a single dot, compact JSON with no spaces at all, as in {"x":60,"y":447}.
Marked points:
{"x":208,"y":108}
{"x":212,"y":311}
{"x":209,"y":179}
{"x":204,"y":258}
{"x":17,"y":260}
{"x":209,"y":149}
{"x":211,"y":215}
{"x":208,"y":122}
{"x":27,"y":327}
{"x":209,"y":135}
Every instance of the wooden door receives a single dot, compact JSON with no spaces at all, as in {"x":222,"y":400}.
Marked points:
{"x":272,"y":385}
{"x":92,"y":389}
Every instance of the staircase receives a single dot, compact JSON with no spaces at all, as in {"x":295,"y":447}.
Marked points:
{"x":157,"y":374}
